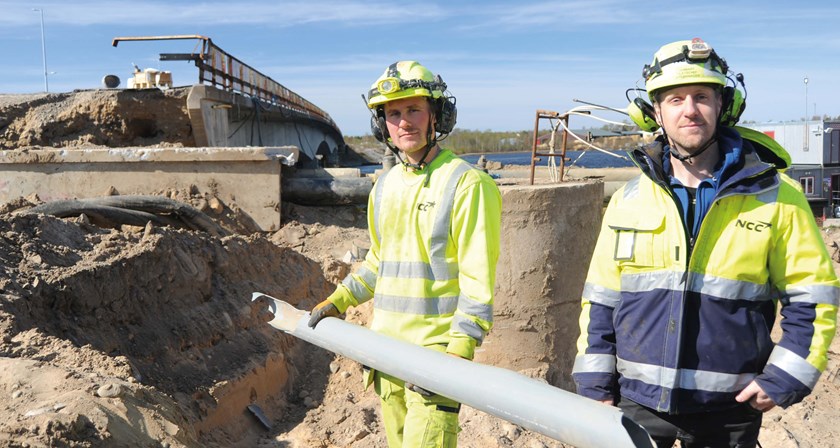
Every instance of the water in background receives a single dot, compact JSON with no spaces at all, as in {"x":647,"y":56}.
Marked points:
{"x":591,"y":159}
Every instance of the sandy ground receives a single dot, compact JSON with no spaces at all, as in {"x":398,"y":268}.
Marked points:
{"x":134,"y":336}
{"x":144,"y":337}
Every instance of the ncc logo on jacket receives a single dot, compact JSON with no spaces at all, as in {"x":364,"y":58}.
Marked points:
{"x":423,"y":206}
{"x":749,"y":225}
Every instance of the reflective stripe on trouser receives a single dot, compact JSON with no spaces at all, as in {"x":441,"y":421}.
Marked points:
{"x":412,"y":420}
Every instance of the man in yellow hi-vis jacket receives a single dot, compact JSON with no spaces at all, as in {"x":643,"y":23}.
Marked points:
{"x":694,"y":257}
{"x":434,"y":225}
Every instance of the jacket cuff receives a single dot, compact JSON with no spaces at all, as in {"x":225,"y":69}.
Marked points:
{"x":342,"y":298}
{"x":597,"y":386}
{"x":462,"y":346}
{"x":781,"y":387}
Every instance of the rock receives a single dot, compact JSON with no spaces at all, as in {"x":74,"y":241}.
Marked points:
{"x":334,"y":367}
{"x":148,"y":230}
{"x":171,"y":428}
{"x":38,"y":411}
{"x":345,"y":374}
{"x":17,"y":394}
{"x":536,"y":444}
{"x":510,"y":431}
{"x":216,"y":205}
{"x":291,"y":235}
{"x":127,"y":228}
{"x":110,"y":390}
{"x":309,"y":402}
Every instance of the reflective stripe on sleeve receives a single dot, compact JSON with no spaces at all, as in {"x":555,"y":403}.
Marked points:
{"x":594,"y":362}
{"x":468,"y":327}
{"x":827,"y":295}
{"x":794,"y":365}
{"x":357,"y":288}
{"x":471,"y":307}
{"x":601,"y":295}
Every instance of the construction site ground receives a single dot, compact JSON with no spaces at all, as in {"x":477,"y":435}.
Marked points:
{"x":145,"y":336}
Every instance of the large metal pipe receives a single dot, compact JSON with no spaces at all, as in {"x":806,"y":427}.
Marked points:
{"x":506,"y":394}
{"x":326,"y":190}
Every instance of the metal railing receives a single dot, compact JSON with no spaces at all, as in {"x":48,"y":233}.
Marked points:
{"x":220,"y":69}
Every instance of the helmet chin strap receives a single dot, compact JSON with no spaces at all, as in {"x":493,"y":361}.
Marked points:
{"x":431,"y":142}
{"x":690,"y":157}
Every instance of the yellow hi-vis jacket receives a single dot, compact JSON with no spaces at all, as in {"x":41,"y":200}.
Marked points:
{"x":682,"y":325}
{"x":431,"y":267}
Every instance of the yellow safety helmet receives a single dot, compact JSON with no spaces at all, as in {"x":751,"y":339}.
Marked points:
{"x":405,"y":79}
{"x":684,"y":62}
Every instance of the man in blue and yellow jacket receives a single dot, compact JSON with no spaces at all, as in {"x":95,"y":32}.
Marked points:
{"x":435,"y":225}
{"x":694,"y":257}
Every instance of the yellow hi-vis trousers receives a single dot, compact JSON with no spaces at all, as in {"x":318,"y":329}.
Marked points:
{"x":414,"y":421}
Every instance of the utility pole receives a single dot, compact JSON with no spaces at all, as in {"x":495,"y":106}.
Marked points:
{"x":43,"y":50}
{"x":805,"y":138}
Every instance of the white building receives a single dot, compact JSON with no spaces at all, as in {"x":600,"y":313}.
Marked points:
{"x":814,"y":148}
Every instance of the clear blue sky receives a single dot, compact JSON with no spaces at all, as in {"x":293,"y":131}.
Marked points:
{"x":502,"y":60}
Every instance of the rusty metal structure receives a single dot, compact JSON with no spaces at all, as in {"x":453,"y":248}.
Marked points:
{"x":221,"y":70}
{"x":551,"y":115}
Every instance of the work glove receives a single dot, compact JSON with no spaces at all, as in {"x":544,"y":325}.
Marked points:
{"x":322,"y":310}
{"x":418,"y":389}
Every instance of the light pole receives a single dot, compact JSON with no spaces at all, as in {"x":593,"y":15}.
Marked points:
{"x":806,"y":97}
{"x":43,"y":50}
{"x":805,"y":138}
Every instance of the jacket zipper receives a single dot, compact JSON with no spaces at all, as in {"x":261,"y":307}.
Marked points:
{"x":690,"y":239}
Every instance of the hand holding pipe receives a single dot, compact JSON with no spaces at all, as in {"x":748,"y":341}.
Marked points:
{"x":506,"y":394}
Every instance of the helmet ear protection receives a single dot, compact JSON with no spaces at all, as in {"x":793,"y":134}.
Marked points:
{"x":733,"y":102}
{"x":446,"y":114}
{"x":378,"y":128}
{"x":643,"y":114}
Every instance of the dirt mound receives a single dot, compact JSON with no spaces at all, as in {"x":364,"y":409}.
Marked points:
{"x":121,"y":338}
{"x":96,"y":118}
{"x":145,"y":337}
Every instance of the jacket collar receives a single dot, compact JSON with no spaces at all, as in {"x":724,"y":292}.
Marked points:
{"x":742,"y":170}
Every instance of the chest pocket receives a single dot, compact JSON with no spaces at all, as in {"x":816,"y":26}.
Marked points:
{"x":639,"y":238}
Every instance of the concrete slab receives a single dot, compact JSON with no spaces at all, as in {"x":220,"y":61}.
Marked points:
{"x":249,"y":176}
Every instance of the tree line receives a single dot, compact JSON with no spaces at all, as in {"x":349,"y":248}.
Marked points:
{"x":465,"y":141}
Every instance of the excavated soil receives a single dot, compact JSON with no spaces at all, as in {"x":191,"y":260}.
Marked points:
{"x":146,"y":337}
{"x":96,"y":118}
